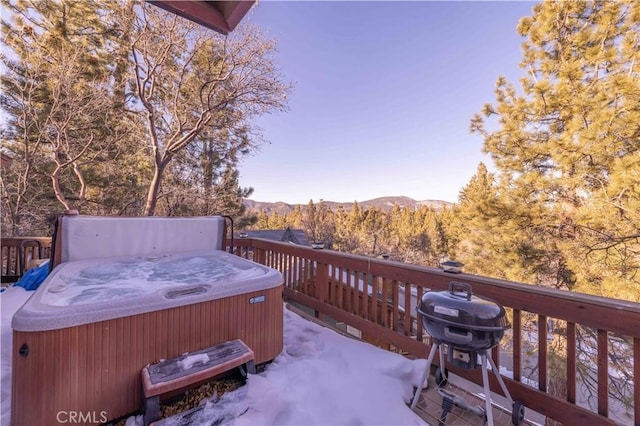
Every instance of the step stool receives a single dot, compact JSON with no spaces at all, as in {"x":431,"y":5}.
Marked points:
{"x":190,"y":368}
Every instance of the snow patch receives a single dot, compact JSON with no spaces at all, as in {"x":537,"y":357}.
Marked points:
{"x":11,"y":300}
{"x":191,"y":360}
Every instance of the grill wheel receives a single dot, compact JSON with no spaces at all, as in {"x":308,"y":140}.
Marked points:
{"x":442,"y":380}
{"x":517,"y":413}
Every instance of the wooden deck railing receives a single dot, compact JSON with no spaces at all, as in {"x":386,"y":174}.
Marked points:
{"x":572,"y":357}
{"x":16,"y":252}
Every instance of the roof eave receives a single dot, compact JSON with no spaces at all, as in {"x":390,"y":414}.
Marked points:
{"x":220,"y":16}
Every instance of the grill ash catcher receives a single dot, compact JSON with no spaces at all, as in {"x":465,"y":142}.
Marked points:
{"x":469,"y":326}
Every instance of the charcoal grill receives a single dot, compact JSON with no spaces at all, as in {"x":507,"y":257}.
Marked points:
{"x":469,"y":326}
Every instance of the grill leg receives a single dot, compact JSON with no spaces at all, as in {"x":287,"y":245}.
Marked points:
{"x":425,"y":374}
{"x":441,"y":358}
{"x":501,"y":381}
{"x":487,"y":390}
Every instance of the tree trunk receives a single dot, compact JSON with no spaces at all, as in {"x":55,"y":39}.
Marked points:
{"x":55,"y":179}
{"x":154,"y":189}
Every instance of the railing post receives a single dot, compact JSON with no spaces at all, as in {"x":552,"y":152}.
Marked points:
{"x":260,"y":256}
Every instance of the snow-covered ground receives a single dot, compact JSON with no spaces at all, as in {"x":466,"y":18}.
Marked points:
{"x":320,"y":378}
{"x":10,"y":301}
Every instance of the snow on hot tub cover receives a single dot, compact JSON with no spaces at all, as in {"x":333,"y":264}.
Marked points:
{"x":85,"y":291}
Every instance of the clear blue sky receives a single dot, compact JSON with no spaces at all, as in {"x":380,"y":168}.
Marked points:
{"x":383,"y":96}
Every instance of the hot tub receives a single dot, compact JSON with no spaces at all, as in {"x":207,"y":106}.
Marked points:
{"x":81,"y":340}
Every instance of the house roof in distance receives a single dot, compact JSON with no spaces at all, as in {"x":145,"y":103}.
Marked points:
{"x":294,"y":236}
{"x":6,"y":160}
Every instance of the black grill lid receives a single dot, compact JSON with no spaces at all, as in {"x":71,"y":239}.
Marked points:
{"x":459,"y":307}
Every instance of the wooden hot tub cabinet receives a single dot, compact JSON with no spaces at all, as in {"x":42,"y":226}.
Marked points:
{"x":92,"y":371}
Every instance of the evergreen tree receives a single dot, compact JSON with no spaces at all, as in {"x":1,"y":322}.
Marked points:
{"x":566,"y":147}
{"x":56,"y":96}
{"x":294,"y":219}
{"x":263,"y":220}
{"x":486,"y":239}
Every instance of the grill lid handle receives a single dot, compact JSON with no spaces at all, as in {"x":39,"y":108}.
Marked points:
{"x":465,"y":287}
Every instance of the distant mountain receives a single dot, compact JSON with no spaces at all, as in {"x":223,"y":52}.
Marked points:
{"x":382,"y":203}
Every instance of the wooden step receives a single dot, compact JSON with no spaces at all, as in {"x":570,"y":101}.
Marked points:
{"x":191,"y":368}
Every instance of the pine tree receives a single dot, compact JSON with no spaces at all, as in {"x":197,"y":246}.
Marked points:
{"x":566,"y":147}
{"x":56,"y":97}
{"x":263,"y":220}
{"x":486,"y":242}
{"x":294,"y":219}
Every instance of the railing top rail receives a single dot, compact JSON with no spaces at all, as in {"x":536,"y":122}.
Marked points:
{"x":617,"y":316}
{"x":16,"y":240}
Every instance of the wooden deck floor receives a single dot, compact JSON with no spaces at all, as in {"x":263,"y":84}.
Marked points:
{"x":429,"y":406}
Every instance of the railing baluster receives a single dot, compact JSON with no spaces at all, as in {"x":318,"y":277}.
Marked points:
{"x":296,"y":273}
{"x":636,"y":380}
{"x":517,"y":345}
{"x":343,"y":289}
{"x":334,"y":286}
{"x":603,"y":374}
{"x":571,"y":362}
{"x":407,"y":309}
{"x":419,"y":330}
{"x":396,"y":303}
{"x":301,"y":273}
{"x":292,"y":270}
{"x":311,"y":278}
{"x":355,"y":293}
{"x":5,"y":264}
{"x":386,"y":284}
{"x":330,"y":285}
{"x":365,"y":295}
{"x":542,"y":353}
{"x":322,"y":282}
{"x":374,"y":299}
{"x":347,"y":296}
{"x":339,"y":288}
